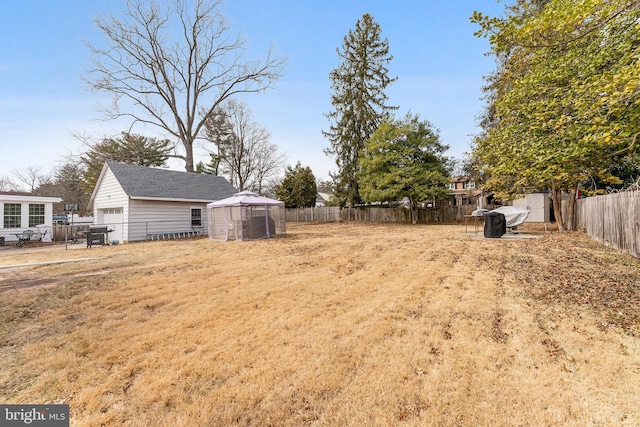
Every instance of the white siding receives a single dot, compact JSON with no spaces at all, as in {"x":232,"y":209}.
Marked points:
{"x":110,"y":195}
{"x":48,"y":214}
{"x":155,"y":217}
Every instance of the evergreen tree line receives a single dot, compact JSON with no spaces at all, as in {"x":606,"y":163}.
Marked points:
{"x":379,"y":158}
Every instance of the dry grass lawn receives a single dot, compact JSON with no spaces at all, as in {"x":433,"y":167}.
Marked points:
{"x":343,"y":324}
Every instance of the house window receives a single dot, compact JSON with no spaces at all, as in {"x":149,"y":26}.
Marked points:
{"x":36,"y":214}
{"x":196,"y":217}
{"x":470,"y":185}
{"x":12,"y":215}
{"x":452,"y":186}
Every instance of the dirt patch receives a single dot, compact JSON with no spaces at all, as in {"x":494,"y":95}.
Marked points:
{"x":22,"y":279}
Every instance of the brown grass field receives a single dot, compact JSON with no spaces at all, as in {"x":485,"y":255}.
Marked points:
{"x":344,"y":324}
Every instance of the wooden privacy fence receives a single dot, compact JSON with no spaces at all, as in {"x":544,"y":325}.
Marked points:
{"x":612,"y":219}
{"x":400,"y":214}
{"x":379,"y":214}
{"x":321,"y":214}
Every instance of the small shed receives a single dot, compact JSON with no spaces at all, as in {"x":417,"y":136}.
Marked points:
{"x":141,"y":203}
{"x":246,"y":216}
{"x":539,"y":204}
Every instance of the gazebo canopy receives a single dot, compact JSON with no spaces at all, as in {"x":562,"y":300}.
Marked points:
{"x":246,"y":198}
{"x":246,"y":216}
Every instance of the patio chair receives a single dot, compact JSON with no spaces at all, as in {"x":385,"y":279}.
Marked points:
{"x":25,"y":237}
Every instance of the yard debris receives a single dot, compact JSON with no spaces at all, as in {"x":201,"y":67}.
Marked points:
{"x":580,"y":273}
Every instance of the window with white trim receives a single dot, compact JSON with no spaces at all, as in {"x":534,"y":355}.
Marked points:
{"x":36,"y":214}
{"x":196,"y":217}
{"x":12,"y":215}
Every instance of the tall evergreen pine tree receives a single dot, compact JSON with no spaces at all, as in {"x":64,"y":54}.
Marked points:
{"x":358,"y":85}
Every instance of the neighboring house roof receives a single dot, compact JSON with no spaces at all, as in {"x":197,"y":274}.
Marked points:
{"x":22,"y":196}
{"x":140,"y":182}
{"x":323,"y":198}
{"x":15,"y":193}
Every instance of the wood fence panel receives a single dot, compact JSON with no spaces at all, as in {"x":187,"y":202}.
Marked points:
{"x":320,"y":214}
{"x":612,"y":219}
{"x":444,"y":214}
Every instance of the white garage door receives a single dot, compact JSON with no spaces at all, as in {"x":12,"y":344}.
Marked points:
{"x":113,"y":218}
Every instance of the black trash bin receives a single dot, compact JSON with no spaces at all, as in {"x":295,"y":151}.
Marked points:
{"x":495,"y":225}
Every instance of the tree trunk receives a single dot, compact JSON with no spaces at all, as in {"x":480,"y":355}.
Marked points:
{"x":188,"y":157}
{"x":570,"y":220}
{"x":556,"y":196}
{"x":413,"y":205}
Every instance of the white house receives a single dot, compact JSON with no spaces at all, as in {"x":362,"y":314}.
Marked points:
{"x":323,"y":199}
{"x":24,"y":211}
{"x":137,"y":202}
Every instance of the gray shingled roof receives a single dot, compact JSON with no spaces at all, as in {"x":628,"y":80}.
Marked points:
{"x":143,"y":182}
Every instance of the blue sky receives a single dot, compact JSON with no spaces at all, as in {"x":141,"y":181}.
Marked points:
{"x":438,"y":62}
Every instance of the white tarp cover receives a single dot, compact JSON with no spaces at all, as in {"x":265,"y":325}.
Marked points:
{"x":479,"y":212}
{"x":514,"y":216}
{"x":246,"y":198}
{"x":46,"y":232}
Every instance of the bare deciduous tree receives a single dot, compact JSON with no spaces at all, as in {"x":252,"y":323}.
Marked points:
{"x":246,"y":156}
{"x":6,"y":184}
{"x":163,"y":64}
{"x":32,"y":177}
{"x":268,"y":164}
